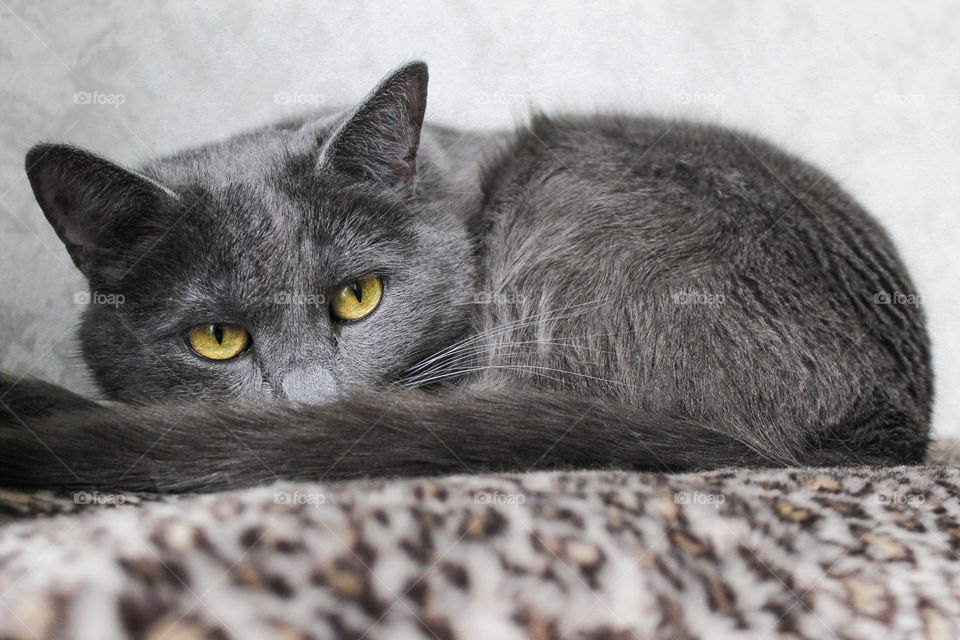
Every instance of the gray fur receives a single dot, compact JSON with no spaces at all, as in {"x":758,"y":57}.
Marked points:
{"x":655,"y":294}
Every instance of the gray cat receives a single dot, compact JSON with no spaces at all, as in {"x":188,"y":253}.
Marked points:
{"x":357,"y":294}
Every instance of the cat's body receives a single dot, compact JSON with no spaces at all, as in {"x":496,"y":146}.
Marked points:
{"x":586,"y":292}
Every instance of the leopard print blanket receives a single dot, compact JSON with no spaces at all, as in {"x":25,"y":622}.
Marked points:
{"x":828,"y":553}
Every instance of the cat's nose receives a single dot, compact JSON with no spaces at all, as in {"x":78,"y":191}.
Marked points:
{"x":310,"y":384}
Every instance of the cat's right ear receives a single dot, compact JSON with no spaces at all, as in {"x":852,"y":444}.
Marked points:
{"x":378,"y":142}
{"x":94,"y":205}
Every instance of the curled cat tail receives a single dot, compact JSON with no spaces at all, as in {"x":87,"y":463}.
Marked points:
{"x":205,"y":448}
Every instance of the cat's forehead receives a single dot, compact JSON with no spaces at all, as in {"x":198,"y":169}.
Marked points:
{"x":205,"y":259}
{"x":278,"y":232}
{"x":255,"y":210}
{"x":251,"y":157}
{"x":245,"y":226}
{"x":268,"y":182}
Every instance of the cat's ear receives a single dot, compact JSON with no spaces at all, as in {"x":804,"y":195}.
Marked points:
{"x":379,"y":140}
{"x":94,"y":205}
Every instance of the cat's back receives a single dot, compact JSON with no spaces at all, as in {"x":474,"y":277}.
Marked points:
{"x":703,"y":196}
{"x":712,"y":265}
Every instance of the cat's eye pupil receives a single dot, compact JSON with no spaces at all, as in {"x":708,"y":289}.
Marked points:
{"x":219,"y":341}
{"x":354,"y":300}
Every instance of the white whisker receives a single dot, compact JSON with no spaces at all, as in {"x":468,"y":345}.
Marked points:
{"x":509,"y":326}
{"x":534,"y":369}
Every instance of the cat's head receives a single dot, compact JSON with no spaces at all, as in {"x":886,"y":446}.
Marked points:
{"x":285,"y":263}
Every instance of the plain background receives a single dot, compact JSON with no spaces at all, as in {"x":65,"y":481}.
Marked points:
{"x":869,"y":91}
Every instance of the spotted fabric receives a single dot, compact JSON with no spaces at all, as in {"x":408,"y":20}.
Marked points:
{"x":791,"y":554}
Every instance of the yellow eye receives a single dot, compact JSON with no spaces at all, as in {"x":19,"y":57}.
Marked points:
{"x":219,"y":341}
{"x":357,"y":299}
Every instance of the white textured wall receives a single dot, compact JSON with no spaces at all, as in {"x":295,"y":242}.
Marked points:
{"x":870,"y":91}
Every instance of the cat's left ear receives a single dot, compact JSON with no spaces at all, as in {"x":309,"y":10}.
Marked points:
{"x":378,"y":142}
{"x":97,"y":207}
